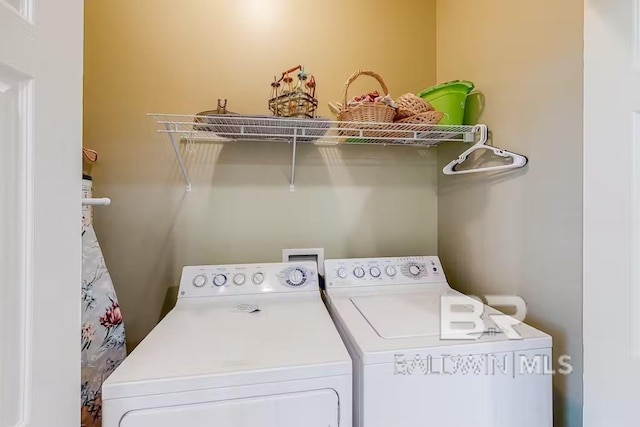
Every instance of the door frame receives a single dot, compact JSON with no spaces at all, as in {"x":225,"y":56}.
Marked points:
{"x":611,"y":212}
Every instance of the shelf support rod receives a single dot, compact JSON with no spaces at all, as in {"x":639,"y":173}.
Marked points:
{"x":180,"y":162}
{"x":292,"y":183}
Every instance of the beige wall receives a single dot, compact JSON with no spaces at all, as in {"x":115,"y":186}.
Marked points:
{"x":179,"y":57}
{"x":521,"y":233}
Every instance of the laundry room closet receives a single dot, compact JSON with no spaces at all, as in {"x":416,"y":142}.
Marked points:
{"x":515,"y":232}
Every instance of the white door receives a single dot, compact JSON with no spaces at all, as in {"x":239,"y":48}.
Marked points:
{"x":40,"y":183}
{"x":612,"y":213}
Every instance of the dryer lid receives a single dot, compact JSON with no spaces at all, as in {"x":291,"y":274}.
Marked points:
{"x":211,"y":343}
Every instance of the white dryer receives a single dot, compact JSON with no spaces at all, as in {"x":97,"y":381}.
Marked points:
{"x":409,"y":371}
{"x":245,"y":345}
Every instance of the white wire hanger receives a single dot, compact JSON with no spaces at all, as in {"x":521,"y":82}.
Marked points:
{"x":518,"y":160}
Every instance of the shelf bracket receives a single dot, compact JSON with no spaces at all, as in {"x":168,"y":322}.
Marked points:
{"x":292,"y":183}
{"x":483,"y":131}
{"x":177,"y":152}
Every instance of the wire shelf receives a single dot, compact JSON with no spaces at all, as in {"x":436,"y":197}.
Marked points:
{"x":219,"y":128}
{"x":225,"y":128}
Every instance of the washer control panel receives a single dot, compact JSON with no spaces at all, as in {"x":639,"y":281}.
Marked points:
{"x":383,"y":271}
{"x":244,"y":279}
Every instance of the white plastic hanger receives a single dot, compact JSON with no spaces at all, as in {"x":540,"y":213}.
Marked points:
{"x":518,"y":160}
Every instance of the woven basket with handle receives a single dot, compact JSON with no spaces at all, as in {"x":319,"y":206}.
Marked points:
{"x":426,"y":118}
{"x":368,"y":111}
{"x":410,"y":105}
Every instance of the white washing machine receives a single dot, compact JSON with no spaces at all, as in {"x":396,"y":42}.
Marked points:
{"x":410,"y":371}
{"x":245,"y":345}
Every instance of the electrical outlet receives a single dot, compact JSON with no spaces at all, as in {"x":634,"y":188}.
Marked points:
{"x":308,"y":254}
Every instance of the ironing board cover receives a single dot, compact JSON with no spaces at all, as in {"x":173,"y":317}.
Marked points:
{"x":103,"y":338}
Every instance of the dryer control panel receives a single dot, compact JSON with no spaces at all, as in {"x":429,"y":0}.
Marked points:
{"x":383,"y":271}
{"x":245,"y":279}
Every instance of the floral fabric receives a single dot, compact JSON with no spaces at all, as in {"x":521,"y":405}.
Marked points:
{"x":102,"y":341}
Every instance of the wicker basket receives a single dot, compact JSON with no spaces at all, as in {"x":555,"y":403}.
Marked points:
{"x":295,"y":104}
{"x":366,"y":112}
{"x":428,"y":118}
{"x":410,"y":105}
{"x":201,"y":117}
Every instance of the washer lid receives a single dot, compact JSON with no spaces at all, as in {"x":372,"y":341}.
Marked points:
{"x":384,"y":324}
{"x":401,"y":315}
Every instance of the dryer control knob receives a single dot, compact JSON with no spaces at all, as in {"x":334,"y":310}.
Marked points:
{"x":358,"y":272}
{"x":199,"y":281}
{"x":390,"y":270}
{"x":239,"y":279}
{"x":342,"y":273}
{"x":258,"y":278}
{"x":375,"y":271}
{"x":220,"y":280}
{"x":296,"y":277}
{"x":414,"y":270}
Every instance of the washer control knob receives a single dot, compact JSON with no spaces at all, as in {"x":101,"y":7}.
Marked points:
{"x":239,"y":279}
{"x":374,"y":271}
{"x":219,"y":279}
{"x":414,"y":270}
{"x":342,"y":273}
{"x":390,"y":270}
{"x":296,"y":277}
{"x":199,"y":281}
{"x":258,"y":278}
{"x":358,"y":272}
